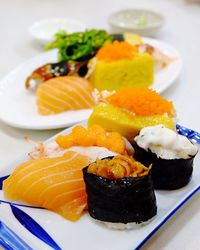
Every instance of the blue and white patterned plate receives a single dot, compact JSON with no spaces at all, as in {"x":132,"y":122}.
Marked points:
{"x":26,"y":227}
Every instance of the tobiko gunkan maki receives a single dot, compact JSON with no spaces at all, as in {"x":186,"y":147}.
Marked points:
{"x":170,"y":154}
{"x":120,"y":192}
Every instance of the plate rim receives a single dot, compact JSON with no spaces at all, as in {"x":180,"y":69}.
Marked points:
{"x":167,"y":217}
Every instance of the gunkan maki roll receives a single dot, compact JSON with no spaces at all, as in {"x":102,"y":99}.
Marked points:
{"x":120,"y":192}
{"x":170,"y":154}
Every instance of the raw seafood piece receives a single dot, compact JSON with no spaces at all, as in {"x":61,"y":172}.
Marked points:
{"x":118,"y":167}
{"x":120,"y":192}
{"x":64,"y":93}
{"x":83,"y":141}
{"x":53,"y":183}
{"x":141,"y":101}
{"x":94,"y":136}
{"x":52,"y":149}
{"x":161,"y":59}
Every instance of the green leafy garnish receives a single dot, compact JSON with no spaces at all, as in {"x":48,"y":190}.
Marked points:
{"x":80,"y":45}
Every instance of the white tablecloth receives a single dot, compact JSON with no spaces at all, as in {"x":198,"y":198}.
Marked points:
{"x":182,"y":30}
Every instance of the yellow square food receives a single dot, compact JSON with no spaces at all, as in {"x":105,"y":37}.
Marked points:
{"x":114,"y":75}
{"x":115,"y":119}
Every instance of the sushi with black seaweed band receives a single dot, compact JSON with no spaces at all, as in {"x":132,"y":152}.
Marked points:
{"x":170,"y":154}
{"x":120,"y":192}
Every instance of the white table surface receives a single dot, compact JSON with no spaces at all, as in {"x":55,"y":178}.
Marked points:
{"x":182,"y":29}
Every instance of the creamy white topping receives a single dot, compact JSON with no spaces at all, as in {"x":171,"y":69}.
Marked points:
{"x":165,"y":143}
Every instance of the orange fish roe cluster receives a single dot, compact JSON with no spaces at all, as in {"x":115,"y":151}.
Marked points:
{"x":117,"y":51}
{"x":93,"y":136}
{"x":142,"y":101}
{"x":118,"y":167}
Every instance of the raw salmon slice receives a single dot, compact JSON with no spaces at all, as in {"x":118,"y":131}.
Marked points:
{"x":64,"y":93}
{"x":53,"y":183}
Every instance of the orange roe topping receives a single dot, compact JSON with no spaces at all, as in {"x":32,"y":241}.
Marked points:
{"x":141,"y":101}
{"x":117,"y":51}
{"x":118,"y":167}
{"x":93,"y":136}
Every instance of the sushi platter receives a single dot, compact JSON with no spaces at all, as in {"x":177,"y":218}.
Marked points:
{"x":60,"y":233}
{"x":20,"y":105}
{"x":113,"y":180}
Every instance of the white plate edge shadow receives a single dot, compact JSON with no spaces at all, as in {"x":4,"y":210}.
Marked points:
{"x":61,"y":120}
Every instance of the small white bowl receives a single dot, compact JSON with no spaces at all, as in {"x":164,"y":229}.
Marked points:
{"x":141,"y":21}
{"x":44,"y":30}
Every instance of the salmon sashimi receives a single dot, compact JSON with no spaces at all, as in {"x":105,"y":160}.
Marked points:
{"x":53,"y":183}
{"x":64,"y":93}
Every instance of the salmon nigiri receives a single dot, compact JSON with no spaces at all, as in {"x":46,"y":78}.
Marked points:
{"x":53,"y":183}
{"x":64,"y":93}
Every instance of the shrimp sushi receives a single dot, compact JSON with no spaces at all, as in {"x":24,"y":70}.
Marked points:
{"x":120,"y":192}
{"x":170,"y":154}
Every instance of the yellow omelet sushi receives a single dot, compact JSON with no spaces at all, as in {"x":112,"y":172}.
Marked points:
{"x":120,"y":65}
{"x":129,"y":110}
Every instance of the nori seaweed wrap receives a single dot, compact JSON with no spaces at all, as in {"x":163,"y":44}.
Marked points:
{"x":166,"y":174}
{"x":170,"y":154}
{"x":122,"y":200}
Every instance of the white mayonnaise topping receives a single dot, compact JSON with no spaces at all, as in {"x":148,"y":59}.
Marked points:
{"x":165,"y":143}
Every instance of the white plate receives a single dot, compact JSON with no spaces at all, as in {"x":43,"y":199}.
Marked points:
{"x":18,"y":106}
{"x":44,"y":30}
{"x":85,"y":233}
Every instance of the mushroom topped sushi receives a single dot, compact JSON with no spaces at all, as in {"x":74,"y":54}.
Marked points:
{"x":120,"y":192}
{"x":170,"y":154}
